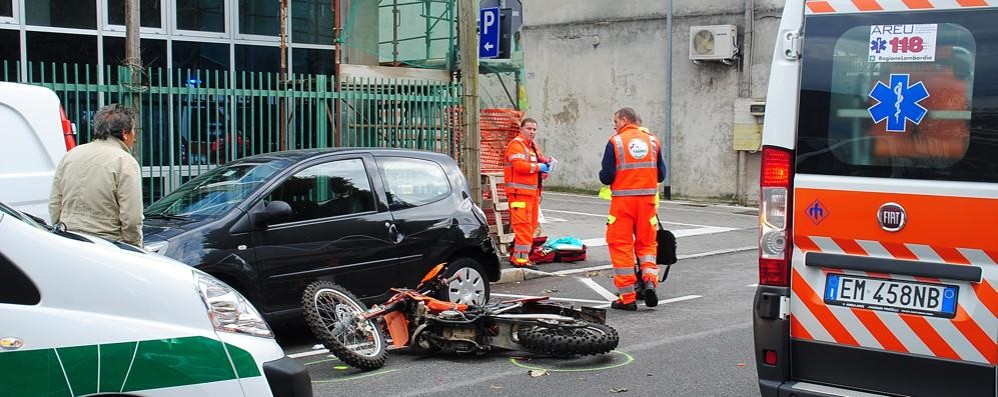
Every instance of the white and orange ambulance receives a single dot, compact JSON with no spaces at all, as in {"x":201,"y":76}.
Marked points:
{"x":879,"y":201}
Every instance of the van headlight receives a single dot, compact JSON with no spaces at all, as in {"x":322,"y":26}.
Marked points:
{"x":228,"y":310}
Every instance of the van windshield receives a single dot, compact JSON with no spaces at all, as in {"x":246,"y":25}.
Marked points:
{"x":217,"y":191}
{"x":900,"y":97}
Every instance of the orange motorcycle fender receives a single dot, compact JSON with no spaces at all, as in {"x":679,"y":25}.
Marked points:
{"x":398,"y":328}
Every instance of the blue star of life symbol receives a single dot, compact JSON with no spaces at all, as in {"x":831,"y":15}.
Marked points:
{"x":816,"y":212}
{"x":898,"y":102}
{"x":878,"y":45}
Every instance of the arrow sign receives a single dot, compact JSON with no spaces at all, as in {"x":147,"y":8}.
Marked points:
{"x":488,"y":32}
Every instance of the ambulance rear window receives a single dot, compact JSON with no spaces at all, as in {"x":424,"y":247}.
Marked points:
{"x":900,"y":95}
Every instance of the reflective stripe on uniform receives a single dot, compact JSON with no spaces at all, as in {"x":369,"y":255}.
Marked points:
{"x":647,"y":259}
{"x":519,"y":247}
{"x":634,"y":192}
{"x":643,"y":164}
{"x":520,"y":156}
{"x":518,"y":204}
{"x":521,"y":186}
{"x":623,"y":271}
{"x":625,"y":290}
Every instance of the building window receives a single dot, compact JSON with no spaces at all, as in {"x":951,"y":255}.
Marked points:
{"x":312,"y":22}
{"x":253,"y":58}
{"x":201,"y":15}
{"x":62,"y":13}
{"x":259,"y":17}
{"x":150,"y":13}
{"x":48,"y":51}
{"x":153,"y":52}
{"x":200,"y":65}
{"x":312,"y":61}
{"x":10,"y":54}
{"x":7,"y":8}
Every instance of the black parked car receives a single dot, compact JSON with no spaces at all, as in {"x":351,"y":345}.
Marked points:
{"x":367,"y":219}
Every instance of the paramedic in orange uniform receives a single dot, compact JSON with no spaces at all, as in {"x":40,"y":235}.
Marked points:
{"x":632,"y":166}
{"x":524,"y":169}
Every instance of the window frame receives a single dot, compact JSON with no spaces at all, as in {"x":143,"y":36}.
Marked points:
{"x":107,"y":26}
{"x":250,"y":36}
{"x":15,"y":11}
{"x":175,"y":29}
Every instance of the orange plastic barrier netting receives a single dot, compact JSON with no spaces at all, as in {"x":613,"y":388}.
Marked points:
{"x":498,"y":126}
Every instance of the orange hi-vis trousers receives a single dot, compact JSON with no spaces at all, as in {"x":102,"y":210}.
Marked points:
{"x":523,"y":218}
{"x":631,"y":230}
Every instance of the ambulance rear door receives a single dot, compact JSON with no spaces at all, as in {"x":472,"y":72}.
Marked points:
{"x":893,"y":275}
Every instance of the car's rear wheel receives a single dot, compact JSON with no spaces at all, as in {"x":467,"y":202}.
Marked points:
{"x":470,"y":287}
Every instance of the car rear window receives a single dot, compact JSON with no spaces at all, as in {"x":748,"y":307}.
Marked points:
{"x":900,"y":95}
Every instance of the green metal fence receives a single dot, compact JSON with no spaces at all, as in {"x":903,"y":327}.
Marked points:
{"x":194,"y":120}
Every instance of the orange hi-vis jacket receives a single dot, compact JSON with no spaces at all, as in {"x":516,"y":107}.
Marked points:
{"x":522,"y":170}
{"x":637,"y":166}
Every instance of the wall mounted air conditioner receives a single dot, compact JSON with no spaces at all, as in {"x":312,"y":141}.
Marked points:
{"x":713,"y":43}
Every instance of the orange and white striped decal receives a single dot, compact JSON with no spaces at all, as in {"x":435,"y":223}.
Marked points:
{"x":855,"y":6}
{"x":941,"y":229}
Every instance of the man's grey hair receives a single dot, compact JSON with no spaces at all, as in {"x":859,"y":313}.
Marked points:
{"x":113,"y":120}
{"x":629,"y":114}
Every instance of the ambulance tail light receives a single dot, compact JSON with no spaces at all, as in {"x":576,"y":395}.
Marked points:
{"x":774,"y":217}
{"x":68,"y":129}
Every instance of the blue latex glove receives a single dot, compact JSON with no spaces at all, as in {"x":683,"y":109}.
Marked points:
{"x":543,"y":167}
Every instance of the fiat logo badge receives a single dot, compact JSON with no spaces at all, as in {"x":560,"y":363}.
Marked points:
{"x":892,"y":217}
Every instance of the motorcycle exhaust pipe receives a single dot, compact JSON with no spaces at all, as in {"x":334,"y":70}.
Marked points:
{"x":553,"y":317}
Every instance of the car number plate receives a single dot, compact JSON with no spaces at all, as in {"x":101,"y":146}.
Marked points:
{"x":897,"y":296}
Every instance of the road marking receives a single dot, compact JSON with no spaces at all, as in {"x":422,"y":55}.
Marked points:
{"x":550,"y":297}
{"x":610,"y":296}
{"x":604,"y":217}
{"x":311,"y":353}
{"x":753,"y":285}
{"x":601,"y":241}
{"x":670,"y":300}
{"x":551,"y":219}
{"x":691,"y":256}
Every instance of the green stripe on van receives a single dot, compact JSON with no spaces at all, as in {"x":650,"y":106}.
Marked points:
{"x":81,"y":368}
{"x":157,"y":364}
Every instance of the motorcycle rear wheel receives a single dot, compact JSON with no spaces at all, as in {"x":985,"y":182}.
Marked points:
{"x":568,"y":340}
{"x":329,"y":312}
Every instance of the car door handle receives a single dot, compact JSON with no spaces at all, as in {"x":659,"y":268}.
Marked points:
{"x":393,"y":232}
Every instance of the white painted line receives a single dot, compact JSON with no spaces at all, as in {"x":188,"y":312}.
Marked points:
{"x":311,"y":353}
{"x":552,"y":298}
{"x":604,"y":216}
{"x":753,"y":285}
{"x":551,"y":219}
{"x":601,"y":241}
{"x":664,"y":301}
{"x":610,"y":296}
{"x":691,"y":256}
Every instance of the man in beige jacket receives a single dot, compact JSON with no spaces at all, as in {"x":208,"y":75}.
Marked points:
{"x":97,"y":187}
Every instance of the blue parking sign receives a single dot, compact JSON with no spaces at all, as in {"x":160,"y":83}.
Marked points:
{"x":488,"y":32}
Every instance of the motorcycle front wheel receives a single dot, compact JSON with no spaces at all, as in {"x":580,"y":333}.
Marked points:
{"x":333,"y":315}
{"x":578,"y":339}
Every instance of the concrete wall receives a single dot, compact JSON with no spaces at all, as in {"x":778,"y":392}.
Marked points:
{"x":586,"y":58}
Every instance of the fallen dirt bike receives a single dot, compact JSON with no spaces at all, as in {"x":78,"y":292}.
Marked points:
{"x":356,"y":335}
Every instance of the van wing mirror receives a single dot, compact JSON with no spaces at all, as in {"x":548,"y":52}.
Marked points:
{"x":273,"y":211}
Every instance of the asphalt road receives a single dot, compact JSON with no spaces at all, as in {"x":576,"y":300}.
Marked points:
{"x":698,"y":341}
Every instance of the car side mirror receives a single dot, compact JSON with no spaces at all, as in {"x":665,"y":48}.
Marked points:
{"x":274,"y":211}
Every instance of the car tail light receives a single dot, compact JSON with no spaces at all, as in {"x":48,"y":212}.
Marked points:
{"x":68,"y":129}
{"x":774,"y":217}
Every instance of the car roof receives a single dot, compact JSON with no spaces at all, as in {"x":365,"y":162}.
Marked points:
{"x":305,"y":154}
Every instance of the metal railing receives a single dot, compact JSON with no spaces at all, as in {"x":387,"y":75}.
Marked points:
{"x":194,"y":120}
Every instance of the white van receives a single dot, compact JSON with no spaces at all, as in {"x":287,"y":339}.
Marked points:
{"x":879,"y":201}
{"x":36,"y":136}
{"x":79,"y":318}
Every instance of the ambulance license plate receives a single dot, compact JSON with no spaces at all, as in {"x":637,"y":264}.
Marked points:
{"x":896,"y":296}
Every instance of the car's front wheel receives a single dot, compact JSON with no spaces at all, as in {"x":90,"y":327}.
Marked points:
{"x":471,"y":284}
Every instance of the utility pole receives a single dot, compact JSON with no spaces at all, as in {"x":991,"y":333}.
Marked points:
{"x":283,"y":83}
{"x":133,"y":61}
{"x":467,"y":21}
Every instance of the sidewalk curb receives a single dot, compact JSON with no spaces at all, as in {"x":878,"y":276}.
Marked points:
{"x":517,"y":275}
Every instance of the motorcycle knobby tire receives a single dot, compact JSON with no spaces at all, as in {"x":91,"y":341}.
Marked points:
{"x":322,"y":331}
{"x":568,"y":341}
